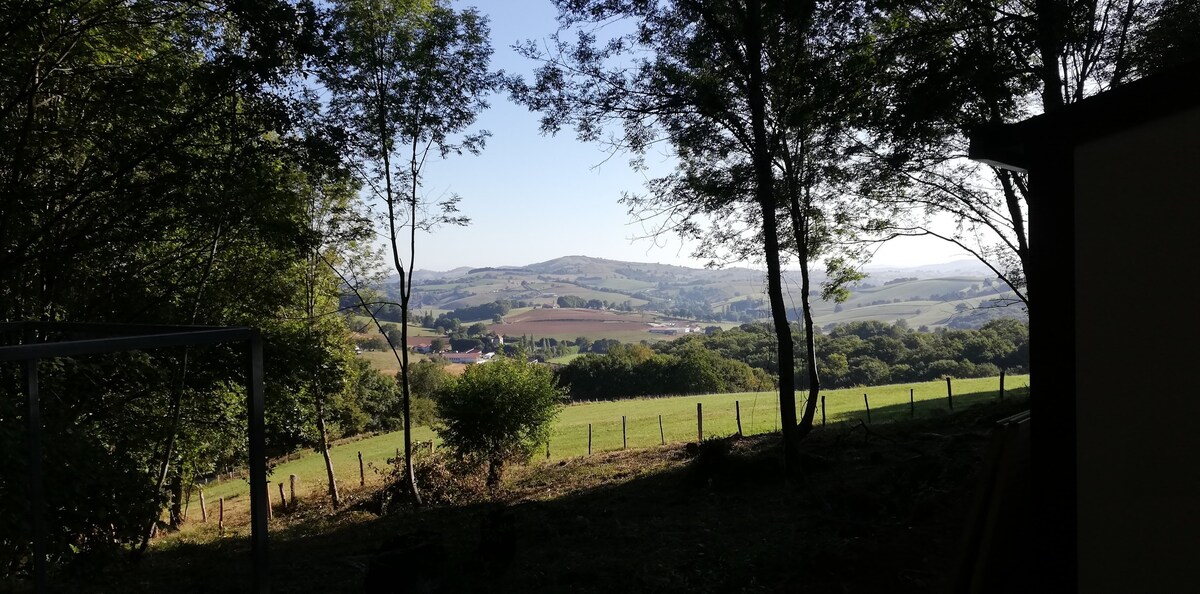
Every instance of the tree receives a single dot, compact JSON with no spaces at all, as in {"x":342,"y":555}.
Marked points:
{"x":723,"y":87}
{"x":430,"y":378}
{"x":378,"y":395}
{"x":571,"y":301}
{"x":152,"y":177}
{"x":499,"y":411}
{"x":406,"y":79}
{"x":954,"y":66}
{"x":465,"y":344}
{"x":1170,"y":37}
{"x":335,"y":229}
{"x":476,"y":329}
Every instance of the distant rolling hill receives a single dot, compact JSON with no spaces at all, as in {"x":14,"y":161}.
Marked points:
{"x":954,"y":294}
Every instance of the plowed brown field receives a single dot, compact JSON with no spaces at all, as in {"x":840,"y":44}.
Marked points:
{"x":566,"y":324}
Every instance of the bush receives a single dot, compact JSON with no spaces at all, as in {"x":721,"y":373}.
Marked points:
{"x":374,"y":343}
{"x":499,"y":411}
{"x":444,"y":480}
{"x":423,"y":411}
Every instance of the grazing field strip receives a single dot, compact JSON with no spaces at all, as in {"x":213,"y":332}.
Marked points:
{"x":760,"y":414}
{"x":310,"y":470}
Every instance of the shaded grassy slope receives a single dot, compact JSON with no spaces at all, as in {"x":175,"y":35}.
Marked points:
{"x":881,"y":509}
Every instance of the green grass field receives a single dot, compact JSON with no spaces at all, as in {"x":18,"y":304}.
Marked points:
{"x":310,"y":469}
{"x":760,"y":412}
{"x":565,"y":359}
{"x":570,"y":437}
{"x":385,"y":361}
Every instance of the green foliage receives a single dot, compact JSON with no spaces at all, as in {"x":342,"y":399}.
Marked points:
{"x":499,"y":411}
{"x":572,"y":301}
{"x":479,"y":312}
{"x":463,"y":345}
{"x":373,"y":343}
{"x":636,"y":370}
{"x":429,"y":379}
{"x":154,"y":175}
{"x":840,"y":275}
{"x":870,"y":353}
{"x":378,"y":396}
{"x":1170,"y":38}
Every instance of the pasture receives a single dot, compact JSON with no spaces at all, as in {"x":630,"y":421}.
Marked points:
{"x":385,"y":361}
{"x":759,"y":410}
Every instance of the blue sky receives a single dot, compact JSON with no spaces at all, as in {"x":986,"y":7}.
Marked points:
{"x":533,"y":198}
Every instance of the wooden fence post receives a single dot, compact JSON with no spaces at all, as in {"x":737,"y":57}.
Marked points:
{"x":867,"y":403}
{"x":1002,"y":384}
{"x":221,"y":516}
{"x":203,"y":511}
{"x":624,"y":435}
{"x":737,"y":409}
{"x":270,"y":513}
{"x":912,"y":404}
{"x":292,"y":481}
{"x":949,"y":394}
{"x":283,"y":502}
{"x":589,"y":439}
{"x":822,"y":410}
{"x":547,"y":449}
{"x":362,"y":477}
{"x":662,"y":436}
{"x":699,"y":422}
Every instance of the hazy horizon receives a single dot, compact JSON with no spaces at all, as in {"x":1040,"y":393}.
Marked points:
{"x":966,"y":261}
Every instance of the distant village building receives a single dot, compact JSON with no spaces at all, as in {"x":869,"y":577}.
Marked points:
{"x":674,"y":330}
{"x":471,"y":356}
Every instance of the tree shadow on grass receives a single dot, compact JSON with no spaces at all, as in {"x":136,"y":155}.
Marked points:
{"x":879,"y":508}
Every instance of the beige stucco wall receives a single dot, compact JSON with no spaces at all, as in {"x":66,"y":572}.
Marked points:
{"x":1137,"y":198}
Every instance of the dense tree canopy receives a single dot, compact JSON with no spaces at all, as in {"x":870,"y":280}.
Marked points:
{"x":159,"y":168}
{"x":636,"y":370}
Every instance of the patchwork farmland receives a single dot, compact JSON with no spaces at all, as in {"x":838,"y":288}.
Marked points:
{"x":567,"y":324}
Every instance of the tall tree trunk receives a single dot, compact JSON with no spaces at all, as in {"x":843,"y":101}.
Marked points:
{"x":1049,"y":42}
{"x":177,"y":397}
{"x":333,"y":489}
{"x":176,"y":514}
{"x":495,"y":471}
{"x":765,"y":196}
{"x":800,"y":230}
{"x":410,"y":480}
{"x":410,"y":476}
